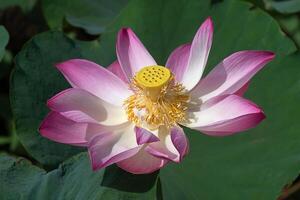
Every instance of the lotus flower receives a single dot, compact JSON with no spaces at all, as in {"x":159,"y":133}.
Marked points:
{"x":131,"y":113}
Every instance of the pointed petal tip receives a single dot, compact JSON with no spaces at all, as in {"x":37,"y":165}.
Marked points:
{"x":41,"y":128}
{"x":64,"y":64}
{"x":51,"y":101}
{"x":144,"y":136}
{"x":94,"y":165}
{"x":43,"y":125}
{"x":125,"y":31}
{"x":208,"y":25}
{"x":209,"y":22}
{"x":243,"y":115}
{"x":59,"y":65}
{"x":257,"y":119}
{"x":59,"y":129}
{"x":122,"y":31}
{"x":266,"y":55}
{"x":180,"y":142}
{"x":271,"y":55}
{"x":261,"y":116}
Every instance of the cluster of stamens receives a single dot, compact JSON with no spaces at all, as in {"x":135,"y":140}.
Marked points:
{"x":157,"y":99}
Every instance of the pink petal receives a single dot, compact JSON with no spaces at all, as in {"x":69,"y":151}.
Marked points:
{"x":95,"y":79}
{"x":142,"y":163}
{"x":60,"y":129}
{"x":144,"y":136}
{"x":115,"y":68}
{"x":180,"y":141}
{"x":111,"y":147}
{"x":225,"y":115}
{"x":132,"y":55}
{"x":231,"y":74}
{"x":178,"y":61}
{"x":81,"y":106}
{"x":97,"y":129}
{"x":242,"y":90}
{"x":172,"y":145}
{"x":198,"y":54}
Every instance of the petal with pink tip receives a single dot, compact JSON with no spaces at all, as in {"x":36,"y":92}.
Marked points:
{"x":225,"y":115}
{"x":95,"y":79}
{"x":231,"y":74}
{"x":60,"y":129}
{"x":115,"y":68}
{"x":144,"y":136}
{"x":178,"y":61}
{"x":81,"y":106}
{"x":142,"y":163}
{"x":172,"y":146}
{"x":111,"y":147}
{"x":198,"y":54}
{"x":132,"y":54}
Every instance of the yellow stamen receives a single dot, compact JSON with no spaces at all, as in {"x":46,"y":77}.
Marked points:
{"x":157,"y":100}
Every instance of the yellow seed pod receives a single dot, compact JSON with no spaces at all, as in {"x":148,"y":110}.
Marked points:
{"x":153,"y":77}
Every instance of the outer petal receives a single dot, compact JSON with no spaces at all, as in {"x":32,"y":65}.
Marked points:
{"x":178,"y":61}
{"x":231,"y":74}
{"x":111,"y":147}
{"x":60,"y":129}
{"x":198,"y":54}
{"x":172,"y":146}
{"x":95,"y":79}
{"x":242,"y":90}
{"x":132,"y":55}
{"x":144,"y":136}
{"x":142,"y":163}
{"x":115,"y":68}
{"x":225,"y":115}
{"x":81,"y":106}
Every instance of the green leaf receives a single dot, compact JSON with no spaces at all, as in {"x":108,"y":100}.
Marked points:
{"x":73,"y":179}
{"x":26,"y":5}
{"x":3,"y":41}
{"x":91,"y":15}
{"x":290,"y":25}
{"x":253,"y":165}
{"x":33,"y":82}
{"x":284,"y":7}
{"x":4,"y":103}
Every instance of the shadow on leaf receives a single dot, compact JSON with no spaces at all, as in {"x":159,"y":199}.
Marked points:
{"x":115,"y":177}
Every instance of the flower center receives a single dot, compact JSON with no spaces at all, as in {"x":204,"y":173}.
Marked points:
{"x":157,"y":100}
{"x":152,"y":79}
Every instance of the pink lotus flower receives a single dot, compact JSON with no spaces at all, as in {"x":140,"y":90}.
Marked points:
{"x":130,"y":114}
